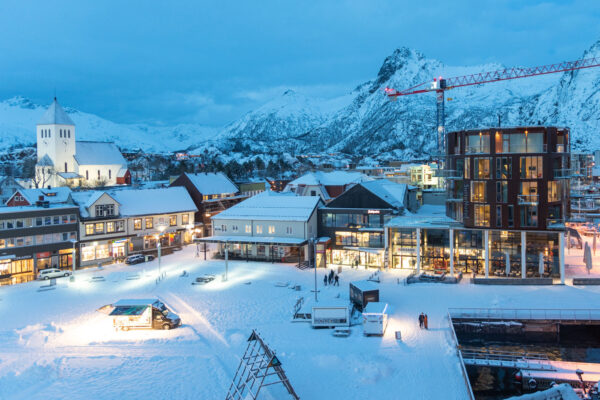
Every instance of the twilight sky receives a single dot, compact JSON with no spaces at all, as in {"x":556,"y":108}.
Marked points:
{"x":208,"y":62}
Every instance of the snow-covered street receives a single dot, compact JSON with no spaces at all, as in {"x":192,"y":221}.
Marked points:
{"x":55,"y":344}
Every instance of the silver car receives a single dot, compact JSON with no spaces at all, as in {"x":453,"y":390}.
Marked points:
{"x":51,"y":273}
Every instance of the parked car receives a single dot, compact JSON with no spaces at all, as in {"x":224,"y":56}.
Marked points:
{"x":51,"y":273}
{"x":138,"y":258}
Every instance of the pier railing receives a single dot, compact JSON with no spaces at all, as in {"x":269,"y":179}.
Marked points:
{"x":507,"y":359}
{"x":583,"y":314}
{"x":461,"y":361}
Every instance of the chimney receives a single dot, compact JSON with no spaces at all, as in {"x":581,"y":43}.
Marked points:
{"x":41,"y":198}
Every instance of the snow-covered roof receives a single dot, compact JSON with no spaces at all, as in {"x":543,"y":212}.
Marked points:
{"x":56,"y":195}
{"x":98,"y":153}
{"x":45,"y":161}
{"x":334,"y":178}
{"x":212,"y":183}
{"x":365,"y":286}
{"x":428,"y":216}
{"x":69,"y":175}
{"x":55,"y":115}
{"x":375,"y":307}
{"x":391,"y":192}
{"x":272,"y":206}
{"x":153,"y":201}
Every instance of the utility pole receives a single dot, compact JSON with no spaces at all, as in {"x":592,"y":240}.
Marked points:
{"x":314,"y":244}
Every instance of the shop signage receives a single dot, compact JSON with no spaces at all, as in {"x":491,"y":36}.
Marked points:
{"x":372,"y":211}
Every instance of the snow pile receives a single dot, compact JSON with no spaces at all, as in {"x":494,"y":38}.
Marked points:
{"x":563,"y":391}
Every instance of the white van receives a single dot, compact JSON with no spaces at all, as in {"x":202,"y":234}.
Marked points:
{"x":143,"y":314}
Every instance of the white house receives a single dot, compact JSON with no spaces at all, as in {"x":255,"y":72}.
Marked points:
{"x":61,"y":160}
{"x":115,"y":224}
{"x":268,"y":226}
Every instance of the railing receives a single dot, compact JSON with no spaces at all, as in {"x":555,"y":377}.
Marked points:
{"x":563,"y":173}
{"x":555,"y":223}
{"x":528,"y":198}
{"x":584,"y":314}
{"x":463,"y":370}
{"x":447,"y":173}
{"x":508,"y":359}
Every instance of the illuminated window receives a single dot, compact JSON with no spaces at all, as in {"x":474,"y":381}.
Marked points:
{"x":477,"y":191}
{"x":137,"y":224}
{"x":482,"y":168}
{"x":271,"y":229}
{"x":482,"y":215}
{"x":259,"y":229}
{"x":531,"y":167}
{"x":149,"y":222}
{"x":99,"y":227}
{"x":248,"y":228}
{"x":89,"y":229}
{"x":185,"y":219}
{"x":173,"y":220}
{"x":110,"y":227}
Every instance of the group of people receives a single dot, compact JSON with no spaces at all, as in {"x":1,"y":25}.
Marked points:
{"x":423,"y":324}
{"x":331,"y":279}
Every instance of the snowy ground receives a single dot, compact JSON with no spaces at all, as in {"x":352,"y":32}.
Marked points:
{"x":55,"y":345}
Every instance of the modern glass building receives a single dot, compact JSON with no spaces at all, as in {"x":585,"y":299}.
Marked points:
{"x":507,"y":200}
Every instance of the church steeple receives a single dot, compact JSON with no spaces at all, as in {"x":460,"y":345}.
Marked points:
{"x":55,"y":115}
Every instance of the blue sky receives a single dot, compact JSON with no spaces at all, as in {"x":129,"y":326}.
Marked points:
{"x":208,"y":62}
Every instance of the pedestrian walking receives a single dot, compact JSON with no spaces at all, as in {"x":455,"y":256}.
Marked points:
{"x":426,"y":322}
{"x":325,"y":280}
{"x":421,"y":320}
{"x":337,"y":280}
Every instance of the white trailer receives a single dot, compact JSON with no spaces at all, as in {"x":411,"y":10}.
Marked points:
{"x":375,"y":319}
{"x":330,"y":315}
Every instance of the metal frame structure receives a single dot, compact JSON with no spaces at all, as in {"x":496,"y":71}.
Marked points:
{"x":259,"y":367}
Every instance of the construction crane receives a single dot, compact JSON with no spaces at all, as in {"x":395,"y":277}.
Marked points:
{"x":440,"y":85}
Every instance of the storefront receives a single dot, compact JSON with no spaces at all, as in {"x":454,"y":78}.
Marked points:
{"x":95,"y":252}
{"x":16,"y":270}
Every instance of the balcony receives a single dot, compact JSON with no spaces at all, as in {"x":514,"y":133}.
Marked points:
{"x":563,"y":173}
{"x":528,"y":199}
{"x":447,"y":173}
{"x":555,"y":223}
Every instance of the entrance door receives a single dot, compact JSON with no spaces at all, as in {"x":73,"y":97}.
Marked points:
{"x":65,"y":261}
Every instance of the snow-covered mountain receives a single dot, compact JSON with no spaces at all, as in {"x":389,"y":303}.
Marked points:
{"x":18,"y":117}
{"x":368,"y":123}
{"x":363,"y":121}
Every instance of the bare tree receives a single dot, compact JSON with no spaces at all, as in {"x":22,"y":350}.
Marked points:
{"x":42,"y":176}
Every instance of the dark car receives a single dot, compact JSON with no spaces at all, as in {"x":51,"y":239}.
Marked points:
{"x":135,"y":259}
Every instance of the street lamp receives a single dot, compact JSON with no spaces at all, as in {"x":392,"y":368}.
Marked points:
{"x":73,"y":257}
{"x":313,"y":241}
{"x":226,"y":259}
{"x":161,"y":229}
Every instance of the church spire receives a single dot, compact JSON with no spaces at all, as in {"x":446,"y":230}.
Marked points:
{"x":55,"y":115}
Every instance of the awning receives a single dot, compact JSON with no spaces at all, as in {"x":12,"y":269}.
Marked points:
{"x":271,"y":240}
{"x":365,"y":249}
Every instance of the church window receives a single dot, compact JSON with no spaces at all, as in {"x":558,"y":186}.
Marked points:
{"x":109,"y":174}
{"x":65,"y":167}
{"x":98,"y":174}
{"x":87,"y":175}
{"x":49,"y":133}
{"x":60,"y":132}
{"x":69,"y":133}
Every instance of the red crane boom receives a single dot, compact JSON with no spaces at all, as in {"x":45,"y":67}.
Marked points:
{"x":440,"y":85}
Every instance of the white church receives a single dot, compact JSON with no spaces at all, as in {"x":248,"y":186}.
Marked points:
{"x":63,"y":161}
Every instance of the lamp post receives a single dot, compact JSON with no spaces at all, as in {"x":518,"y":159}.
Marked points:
{"x":314,"y":244}
{"x":226,"y":259}
{"x":73,"y":257}
{"x":161,"y":229}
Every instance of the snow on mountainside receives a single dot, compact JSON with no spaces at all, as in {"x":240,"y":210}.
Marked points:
{"x":363,"y":121}
{"x":368,"y":123}
{"x":18,"y":118}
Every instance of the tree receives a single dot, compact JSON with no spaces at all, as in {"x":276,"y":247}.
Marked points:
{"x":42,"y":176}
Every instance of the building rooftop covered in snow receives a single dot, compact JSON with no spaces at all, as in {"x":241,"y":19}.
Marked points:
{"x":327,"y":185}
{"x":268,"y":226}
{"x":211,"y":192}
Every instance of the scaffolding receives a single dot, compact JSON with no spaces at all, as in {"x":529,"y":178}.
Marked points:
{"x":259,"y":367}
